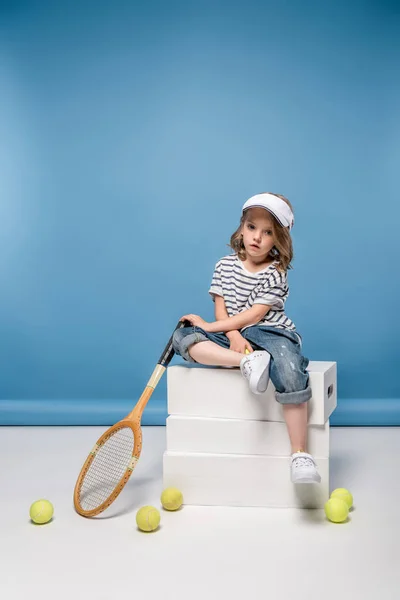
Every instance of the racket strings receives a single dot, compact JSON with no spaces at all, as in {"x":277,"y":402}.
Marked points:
{"x":107,"y":468}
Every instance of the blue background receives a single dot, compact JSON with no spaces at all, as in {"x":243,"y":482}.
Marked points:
{"x":130,"y":136}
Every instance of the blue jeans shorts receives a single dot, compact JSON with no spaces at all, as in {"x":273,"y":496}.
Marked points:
{"x":287,"y":367}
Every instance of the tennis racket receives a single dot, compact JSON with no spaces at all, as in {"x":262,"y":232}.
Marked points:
{"x":116,"y":453}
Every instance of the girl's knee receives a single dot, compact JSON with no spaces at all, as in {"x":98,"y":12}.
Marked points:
{"x":184,"y":338}
{"x":289,"y":374}
{"x":178,"y":337}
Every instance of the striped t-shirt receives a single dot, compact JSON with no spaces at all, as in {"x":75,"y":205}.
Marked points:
{"x":241,"y":289}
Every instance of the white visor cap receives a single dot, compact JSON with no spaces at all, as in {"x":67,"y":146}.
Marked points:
{"x":273,"y":204}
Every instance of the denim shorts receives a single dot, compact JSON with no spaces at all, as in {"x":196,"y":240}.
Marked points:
{"x":287,"y":367}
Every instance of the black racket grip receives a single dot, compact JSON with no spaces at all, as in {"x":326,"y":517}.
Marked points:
{"x":169,"y":351}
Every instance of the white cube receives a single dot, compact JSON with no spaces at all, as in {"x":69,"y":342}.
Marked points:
{"x":196,"y":390}
{"x":242,"y":480}
{"x":239,"y":436}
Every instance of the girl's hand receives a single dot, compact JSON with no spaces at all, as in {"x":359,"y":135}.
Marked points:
{"x":239,"y":343}
{"x":196,"y":321}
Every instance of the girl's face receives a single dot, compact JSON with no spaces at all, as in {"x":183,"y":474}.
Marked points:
{"x":258,"y":233}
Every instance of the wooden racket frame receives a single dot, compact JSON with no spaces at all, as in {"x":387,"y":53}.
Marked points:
{"x":132,"y":420}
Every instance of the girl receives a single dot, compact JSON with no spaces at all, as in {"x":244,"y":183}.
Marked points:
{"x":249,"y":288}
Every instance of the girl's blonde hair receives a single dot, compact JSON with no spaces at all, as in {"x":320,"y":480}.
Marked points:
{"x":282,"y":252}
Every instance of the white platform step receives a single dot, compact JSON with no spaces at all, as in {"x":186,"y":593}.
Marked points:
{"x":239,"y":436}
{"x":195,"y":390}
{"x":234,"y":480}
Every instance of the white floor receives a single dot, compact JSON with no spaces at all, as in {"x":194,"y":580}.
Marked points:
{"x":199,"y":552}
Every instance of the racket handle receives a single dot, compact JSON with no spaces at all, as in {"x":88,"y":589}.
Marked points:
{"x":158,"y":372}
{"x":169,"y":351}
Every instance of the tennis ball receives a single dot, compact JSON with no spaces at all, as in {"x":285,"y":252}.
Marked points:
{"x":147,"y":518}
{"x":247,"y":351}
{"x":171,"y":498}
{"x":344,"y":495}
{"x":336,"y":510}
{"x":41,"y":511}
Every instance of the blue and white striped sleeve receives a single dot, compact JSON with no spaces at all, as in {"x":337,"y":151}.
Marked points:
{"x":216,"y":283}
{"x":274,"y":291}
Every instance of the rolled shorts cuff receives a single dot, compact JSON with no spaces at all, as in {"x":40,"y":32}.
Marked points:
{"x":294,"y":397}
{"x":189,"y":340}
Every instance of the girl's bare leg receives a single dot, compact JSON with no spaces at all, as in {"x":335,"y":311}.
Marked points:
{"x":296,"y":422}
{"x":210,"y":353}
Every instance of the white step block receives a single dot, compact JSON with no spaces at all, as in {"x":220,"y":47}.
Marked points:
{"x":234,"y":480}
{"x":239,"y":436}
{"x":196,"y":390}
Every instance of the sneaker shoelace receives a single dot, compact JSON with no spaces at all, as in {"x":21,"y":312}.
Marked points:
{"x":303,"y":461}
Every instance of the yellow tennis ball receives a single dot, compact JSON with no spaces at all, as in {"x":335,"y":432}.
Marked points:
{"x":336,"y":510}
{"x":247,"y":351}
{"x":344,"y":495}
{"x":171,"y":498}
{"x":148,"y":518}
{"x":41,"y":511}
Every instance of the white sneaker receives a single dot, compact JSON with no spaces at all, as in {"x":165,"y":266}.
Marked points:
{"x":304,"y":468}
{"x":255,"y":368}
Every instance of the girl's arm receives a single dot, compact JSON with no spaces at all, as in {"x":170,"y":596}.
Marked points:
{"x":221,"y":314}
{"x":248,"y":317}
